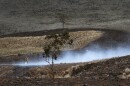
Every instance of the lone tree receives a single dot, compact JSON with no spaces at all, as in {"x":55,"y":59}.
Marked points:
{"x":62,"y":18}
{"x":52,"y":48}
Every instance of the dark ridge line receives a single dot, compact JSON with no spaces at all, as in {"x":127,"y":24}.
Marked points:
{"x":54,"y":31}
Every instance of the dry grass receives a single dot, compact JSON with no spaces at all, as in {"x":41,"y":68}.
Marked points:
{"x":6,"y":70}
{"x":16,"y":45}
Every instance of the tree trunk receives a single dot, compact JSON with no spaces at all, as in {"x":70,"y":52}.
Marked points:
{"x":52,"y":68}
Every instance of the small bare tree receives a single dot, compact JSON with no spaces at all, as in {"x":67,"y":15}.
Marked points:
{"x":53,"y":48}
{"x":62,"y":18}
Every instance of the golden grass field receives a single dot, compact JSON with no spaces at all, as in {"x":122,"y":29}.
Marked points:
{"x":34,"y":44}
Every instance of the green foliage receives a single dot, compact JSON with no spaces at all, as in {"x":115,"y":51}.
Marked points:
{"x":57,"y":41}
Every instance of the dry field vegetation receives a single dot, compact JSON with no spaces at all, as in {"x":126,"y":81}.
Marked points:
{"x":34,"y":44}
{"x":111,"y":72}
{"x":103,"y":69}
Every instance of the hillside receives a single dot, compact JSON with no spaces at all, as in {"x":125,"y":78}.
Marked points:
{"x":35,"y":15}
{"x":105,"y":72}
{"x":97,"y":41}
{"x":98,"y":56}
{"x":34,"y":44}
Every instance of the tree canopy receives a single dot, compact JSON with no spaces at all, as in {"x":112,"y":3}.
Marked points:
{"x":52,"y":49}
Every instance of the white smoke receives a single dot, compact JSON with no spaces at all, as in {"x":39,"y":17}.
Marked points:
{"x":95,"y":52}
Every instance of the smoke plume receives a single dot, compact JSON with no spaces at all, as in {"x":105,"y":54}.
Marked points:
{"x":114,"y":45}
{"x":95,"y":52}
